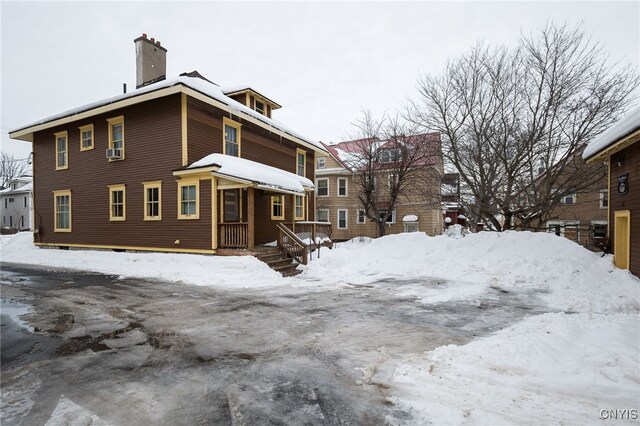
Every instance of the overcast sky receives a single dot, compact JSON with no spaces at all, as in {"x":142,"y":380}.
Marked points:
{"x":322,"y":61}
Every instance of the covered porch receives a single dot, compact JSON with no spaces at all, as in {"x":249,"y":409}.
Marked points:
{"x":253,"y":204}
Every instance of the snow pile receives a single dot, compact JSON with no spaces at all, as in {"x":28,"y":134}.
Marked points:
{"x":547,"y":369}
{"x":410,"y":218}
{"x":202,"y":270}
{"x":265,"y":176}
{"x":566,"y":276}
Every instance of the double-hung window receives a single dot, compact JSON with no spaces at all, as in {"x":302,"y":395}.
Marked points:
{"x":342,"y":219}
{"x":342,"y":187}
{"x":323,"y":215}
{"x":301,"y":162}
{"x":62,"y":150}
{"x":361,"y":218}
{"x":117,"y":203}
{"x":299,"y":207}
{"x":62,"y":209}
{"x":116,"y":136}
{"x":152,"y":200}
{"x":277,"y":207}
{"x":322,"y":187}
{"x":86,"y":137}
{"x":232,"y":137}
{"x":188,"y":199}
{"x":604,"y":199}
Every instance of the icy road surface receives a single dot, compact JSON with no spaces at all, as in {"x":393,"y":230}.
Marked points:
{"x":84,"y":347}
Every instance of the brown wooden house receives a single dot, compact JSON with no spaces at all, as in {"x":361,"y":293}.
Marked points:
{"x":619,"y":146}
{"x":159,"y":187}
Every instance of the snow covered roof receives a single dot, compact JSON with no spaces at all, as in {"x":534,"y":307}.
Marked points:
{"x":410,"y":218}
{"x":159,"y":89}
{"x":24,"y":188}
{"x":350,"y":153}
{"x":261,"y":175}
{"x":623,"y":127}
{"x":232,"y":90}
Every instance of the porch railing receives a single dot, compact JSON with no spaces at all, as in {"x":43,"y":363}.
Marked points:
{"x":291,"y":244}
{"x":233,"y":235}
{"x":313,"y":233}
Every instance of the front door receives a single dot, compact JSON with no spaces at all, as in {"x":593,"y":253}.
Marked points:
{"x":622,"y":238}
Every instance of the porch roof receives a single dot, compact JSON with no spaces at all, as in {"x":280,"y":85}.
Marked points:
{"x":258,"y":174}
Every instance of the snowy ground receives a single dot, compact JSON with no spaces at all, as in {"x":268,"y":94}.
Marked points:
{"x":565,"y":366}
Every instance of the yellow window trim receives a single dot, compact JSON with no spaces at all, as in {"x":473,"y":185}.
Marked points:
{"x":295,"y":206}
{"x":228,"y":122}
{"x":304,"y":153}
{"x":112,"y":122}
{"x":151,"y":185}
{"x":116,"y":188}
{"x":181,"y":184}
{"x":65,"y":135}
{"x":82,"y":129}
{"x":57,"y":194}
{"x":281,"y":197}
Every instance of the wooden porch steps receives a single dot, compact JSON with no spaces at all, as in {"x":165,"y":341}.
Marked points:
{"x":277,"y":260}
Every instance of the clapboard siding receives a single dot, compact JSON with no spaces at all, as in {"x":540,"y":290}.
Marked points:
{"x":624,"y":162}
{"x":152,"y":134}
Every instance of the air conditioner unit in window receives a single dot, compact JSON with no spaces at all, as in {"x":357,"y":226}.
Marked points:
{"x":114,"y":154}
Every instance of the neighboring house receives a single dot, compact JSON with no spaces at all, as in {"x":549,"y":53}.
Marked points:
{"x":619,"y":147}
{"x":337,"y":196}
{"x":582,"y":217}
{"x":190,"y":167}
{"x":16,"y":204}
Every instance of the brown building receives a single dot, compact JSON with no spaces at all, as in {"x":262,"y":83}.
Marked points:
{"x":190,"y":167}
{"x":337,"y":198}
{"x":582,"y":216}
{"x":619,"y":147}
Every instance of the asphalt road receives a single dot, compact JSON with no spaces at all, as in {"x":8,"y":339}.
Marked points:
{"x":97,"y":349}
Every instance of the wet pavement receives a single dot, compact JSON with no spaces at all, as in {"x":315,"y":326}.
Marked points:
{"x":105,"y":350}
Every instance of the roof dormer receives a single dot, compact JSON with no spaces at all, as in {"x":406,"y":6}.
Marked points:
{"x":252,"y":99}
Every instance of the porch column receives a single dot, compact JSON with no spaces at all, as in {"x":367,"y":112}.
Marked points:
{"x":250,"y":219}
{"x":293,"y":213}
{"x":214,"y":212}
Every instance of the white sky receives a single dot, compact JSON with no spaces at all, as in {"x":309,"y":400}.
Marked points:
{"x":323,"y":61}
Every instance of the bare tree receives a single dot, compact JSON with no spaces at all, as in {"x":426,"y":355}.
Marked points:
{"x":512,"y":121}
{"x":390,"y":160}
{"x":11,"y":167}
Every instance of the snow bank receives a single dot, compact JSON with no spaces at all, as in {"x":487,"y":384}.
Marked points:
{"x":568,"y":277}
{"x":547,"y":369}
{"x":214,"y":271}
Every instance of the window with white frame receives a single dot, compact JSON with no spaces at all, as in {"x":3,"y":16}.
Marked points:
{"x":388,"y":217}
{"x":342,"y":187}
{"x":323,"y":215}
{"x":321,"y":163}
{"x":342,"y":219}
{"x":361,"y":216}
{"x":604,"y":199}
{"x":322,"y":187}
{"x":568,"y":199}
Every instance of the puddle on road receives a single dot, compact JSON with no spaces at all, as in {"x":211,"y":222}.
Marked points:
{"x":14,"y":310}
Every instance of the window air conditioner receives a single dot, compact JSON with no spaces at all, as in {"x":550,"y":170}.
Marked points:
{"x":114,"y":154}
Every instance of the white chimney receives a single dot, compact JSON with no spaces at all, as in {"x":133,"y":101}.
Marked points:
{"x":151,"y":61}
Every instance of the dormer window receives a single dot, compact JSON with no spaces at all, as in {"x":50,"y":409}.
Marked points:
{"x":260,"y":107}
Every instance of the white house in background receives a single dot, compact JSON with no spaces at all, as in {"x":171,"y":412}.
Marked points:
{"x":16,"y":203}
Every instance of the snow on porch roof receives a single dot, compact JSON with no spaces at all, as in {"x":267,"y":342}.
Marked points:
{"x":623,"y":127}
{"x":261,"y":175}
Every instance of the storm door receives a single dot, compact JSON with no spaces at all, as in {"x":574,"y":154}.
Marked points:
{"x":231,"y":198}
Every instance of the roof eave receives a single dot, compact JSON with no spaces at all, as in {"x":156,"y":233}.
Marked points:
{"x":619,"y":145}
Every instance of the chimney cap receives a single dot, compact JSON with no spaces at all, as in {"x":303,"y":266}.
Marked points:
{"x":153,"y":41}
